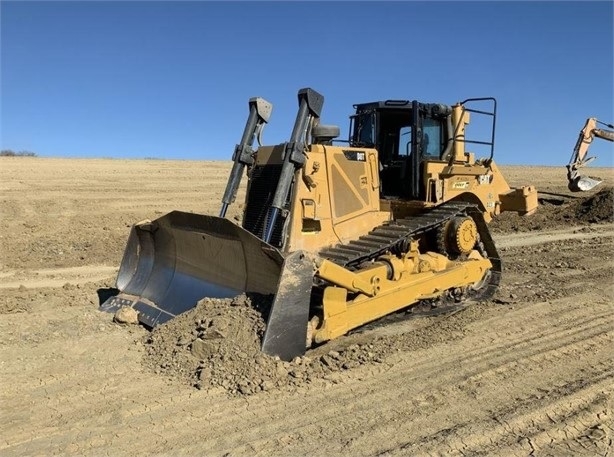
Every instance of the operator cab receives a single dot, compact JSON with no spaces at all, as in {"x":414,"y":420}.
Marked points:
{"x":405,"y":134}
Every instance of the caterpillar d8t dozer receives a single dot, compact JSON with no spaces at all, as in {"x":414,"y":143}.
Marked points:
{"x":340,"y":233}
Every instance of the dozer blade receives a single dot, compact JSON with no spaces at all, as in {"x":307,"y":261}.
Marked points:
{"x":286,"y":329}
{"x":174,"y":261}
{"x":583,"y":184}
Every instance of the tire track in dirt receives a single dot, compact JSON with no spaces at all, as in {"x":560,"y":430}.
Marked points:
{"x":572,"y":233}
{"x":55,"y":277}
{"x":573,"y":423}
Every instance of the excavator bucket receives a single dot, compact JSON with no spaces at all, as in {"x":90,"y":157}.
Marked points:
{"x":583,"y":184}
{"x":578,"y":159}
{"x":174,"y":261}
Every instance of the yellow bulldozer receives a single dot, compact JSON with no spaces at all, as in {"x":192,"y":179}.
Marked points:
{"x":339,"y":233}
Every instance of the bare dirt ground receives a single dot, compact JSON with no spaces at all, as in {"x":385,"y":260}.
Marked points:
{"x":529,"y":373}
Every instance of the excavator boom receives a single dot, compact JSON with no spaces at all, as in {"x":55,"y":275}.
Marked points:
{"x":589,"y":132}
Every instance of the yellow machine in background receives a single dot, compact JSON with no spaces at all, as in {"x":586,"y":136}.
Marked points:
{"x":341,"y":233}
{"x":589,"y":132}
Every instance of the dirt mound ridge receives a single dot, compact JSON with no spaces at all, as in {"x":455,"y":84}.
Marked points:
{"x":217,"y":345}
{"x":595,"y":208}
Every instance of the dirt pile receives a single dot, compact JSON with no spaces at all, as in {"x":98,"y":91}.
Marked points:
{"x":595,"y":208}
{"x":217,"y":345}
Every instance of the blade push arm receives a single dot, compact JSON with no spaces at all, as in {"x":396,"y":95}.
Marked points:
{"x":259,"y":113}
{"x":310,"y":107}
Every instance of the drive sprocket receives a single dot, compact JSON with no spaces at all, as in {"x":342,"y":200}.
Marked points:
{"x":458,"y":236}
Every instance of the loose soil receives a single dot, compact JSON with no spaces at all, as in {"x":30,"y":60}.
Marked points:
{"x":527,"y":373}
{"x":581,"y":209}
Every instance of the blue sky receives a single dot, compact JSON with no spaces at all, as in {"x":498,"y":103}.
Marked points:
{"x":172,"y":79}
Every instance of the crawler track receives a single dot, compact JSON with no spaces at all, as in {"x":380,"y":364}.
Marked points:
{"x":395,"y":236}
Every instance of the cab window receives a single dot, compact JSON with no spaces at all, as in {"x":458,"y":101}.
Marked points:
{"x":364,"y":131}
{"x":432,"y":142}
{"x":404,"y":141}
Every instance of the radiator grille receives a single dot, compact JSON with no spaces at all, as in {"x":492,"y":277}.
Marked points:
{"x":260,"y":194}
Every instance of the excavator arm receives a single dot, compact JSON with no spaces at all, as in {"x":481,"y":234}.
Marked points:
{"x":578,"y":157}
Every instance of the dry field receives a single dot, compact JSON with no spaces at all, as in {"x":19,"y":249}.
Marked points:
{"x":529,"y":373}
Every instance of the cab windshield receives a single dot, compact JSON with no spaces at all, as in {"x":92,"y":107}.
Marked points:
{"x":364,"y":129}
